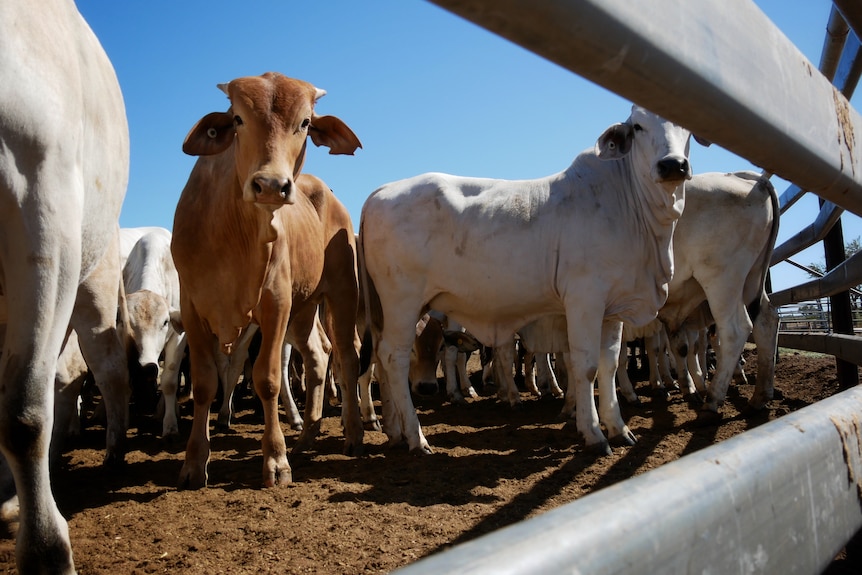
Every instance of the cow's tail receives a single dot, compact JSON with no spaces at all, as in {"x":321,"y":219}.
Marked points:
{"x":373,"y":311}
{"x":766,"y":256}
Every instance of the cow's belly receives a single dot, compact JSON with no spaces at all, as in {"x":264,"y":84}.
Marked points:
{"x":489,"y":319}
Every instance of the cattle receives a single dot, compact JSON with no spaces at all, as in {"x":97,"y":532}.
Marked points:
{"x":153,"y":299}
{"x":722,"y":248}
{"x":256,"y":240}
{"x":63,"y":175}
{"x":592,"y":242}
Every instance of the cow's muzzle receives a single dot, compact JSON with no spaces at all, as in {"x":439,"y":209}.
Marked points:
{"x":272,"y":190}
{"x":673,"y":170}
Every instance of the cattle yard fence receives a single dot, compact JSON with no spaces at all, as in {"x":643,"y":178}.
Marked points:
{"x":786,"y":496}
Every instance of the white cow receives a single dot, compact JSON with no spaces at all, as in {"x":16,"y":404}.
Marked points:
{"x":722,"y":248}
{"x":63,"y":174}
{"x":129,"y":237}
{"x":153,"y":298}
{"x":495,"y":255}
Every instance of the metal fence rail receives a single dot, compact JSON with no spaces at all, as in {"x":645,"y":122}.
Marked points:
{"x":781,"y":498}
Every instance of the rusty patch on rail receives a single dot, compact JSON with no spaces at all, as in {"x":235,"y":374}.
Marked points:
{"x":850,"y":432}
{"x":846,"y":136}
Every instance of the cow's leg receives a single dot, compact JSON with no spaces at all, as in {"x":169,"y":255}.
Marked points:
{"x":453,"y":390}
{"x":95,"y":320}
{"x":169,"y":382}
{"x":304,"y":336}
{"x":366,"y":402}
{"x":230,"y":367}
{"x":609,"y":408}
{"x":732,"y":327}
{"x":696,"y":358}
{"x":547,"y":379}
{"x":463,"y":376}
{"x":765,"y":333}
{"x":584,"y":329}
{"x":294,"y":419}
{"x":530,"y":373}
{"x":72,"y":370}
{"x":678,"y":346}
{"x":655,"y":355}
{"x":40,"y":301}
{"x":626,"y":386}
{"x":504,"y":361}
{"x":345,"y":343}
{"x":400,"y":422}
{"x":205,"y":381}
{"x":660,"y":341}
{"x":266,"y":375}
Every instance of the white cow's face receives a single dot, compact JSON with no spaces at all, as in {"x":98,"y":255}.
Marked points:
{"x":659,"y":148}
{"x":150,"y":325}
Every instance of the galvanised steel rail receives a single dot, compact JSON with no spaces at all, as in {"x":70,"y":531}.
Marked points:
{"x":781,"y":498}
{"x":719,"y":67}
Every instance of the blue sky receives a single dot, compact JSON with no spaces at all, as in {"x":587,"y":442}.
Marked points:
{"x":423,"y":89}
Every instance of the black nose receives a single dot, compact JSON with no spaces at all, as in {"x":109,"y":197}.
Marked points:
{"x":150,"y":371}
{"x":671,"y":169}
{"x":278,"y":186}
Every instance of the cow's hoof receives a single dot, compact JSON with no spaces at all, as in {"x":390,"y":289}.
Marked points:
{"x":693,"y":399}
{"x":427,"y":389}
{"x":373,"y":425}
{"x":625,"y":439}
{"x":279,"y":477}
{"x":172,"y":440}
{"x":636,"y":400}
{"x":354,"y":449}
{"x":421,"y":450}
{"x":707,"y":418}
{"x":114,"y":461}
{"x":660,"y":394}
{"x":600,"y":449}
{"x":191,"y":480}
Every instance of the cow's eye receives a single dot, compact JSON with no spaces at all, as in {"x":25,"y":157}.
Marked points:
{"x":237,"y":121}
{"x":305,"y":123}
{"x":637,"y":128}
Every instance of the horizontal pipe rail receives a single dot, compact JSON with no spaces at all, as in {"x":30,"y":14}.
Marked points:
{"x":846,"y":347}
{"x":841,"y":278}
{"x":683,"y":60}
{"x":781,"y":498}
{"x":808,"y":236}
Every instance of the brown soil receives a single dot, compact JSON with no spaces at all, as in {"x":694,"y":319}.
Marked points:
{"x":491,"y":467}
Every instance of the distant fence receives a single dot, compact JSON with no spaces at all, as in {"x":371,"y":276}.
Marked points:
{"x":786,"y":496}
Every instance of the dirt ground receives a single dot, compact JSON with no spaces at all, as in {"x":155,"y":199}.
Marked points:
{"x":491,"y":467}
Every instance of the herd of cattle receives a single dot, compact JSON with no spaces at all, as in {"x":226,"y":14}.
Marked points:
{"x":616,"y":246}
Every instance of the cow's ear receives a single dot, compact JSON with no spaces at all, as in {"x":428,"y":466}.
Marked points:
{"x":702,"y":141}
{"x":211,"y":135}
{"x":615,"y":142}
{"x":331,"y":132}
{"x":177,"y":321}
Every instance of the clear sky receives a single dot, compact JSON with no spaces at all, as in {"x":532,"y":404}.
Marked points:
{"x":423,"y":89}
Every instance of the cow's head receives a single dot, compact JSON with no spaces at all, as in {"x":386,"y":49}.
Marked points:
{"x":659,"y":148}
{"x":268,"y":122}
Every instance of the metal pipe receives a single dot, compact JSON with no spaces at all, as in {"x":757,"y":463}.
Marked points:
{"x":781,"y":498}
{"x":778,"y":114}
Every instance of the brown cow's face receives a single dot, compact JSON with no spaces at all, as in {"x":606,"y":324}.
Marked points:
{"x":266,"y":130}
{"x":271,"y":115}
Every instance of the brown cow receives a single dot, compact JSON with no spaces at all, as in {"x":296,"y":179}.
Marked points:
{"x":255,"y":240}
